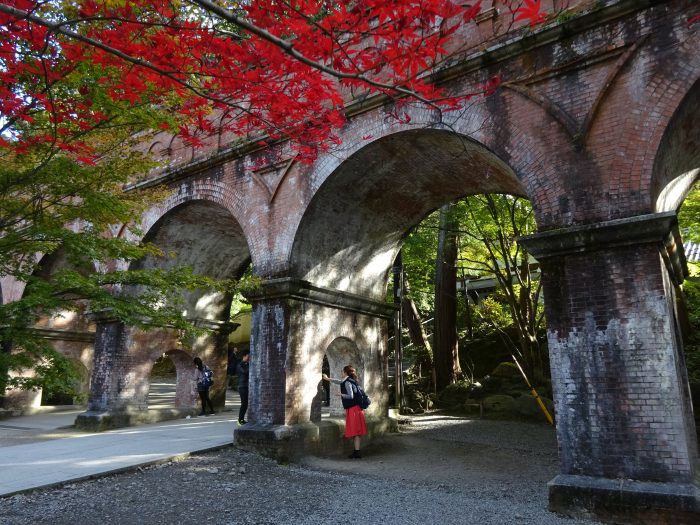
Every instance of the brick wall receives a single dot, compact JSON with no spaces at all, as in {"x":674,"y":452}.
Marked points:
{"x":618,"y":396}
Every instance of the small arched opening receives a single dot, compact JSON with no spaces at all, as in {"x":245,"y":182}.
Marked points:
{"x":171,"y":381}
{"x":341,"y":352}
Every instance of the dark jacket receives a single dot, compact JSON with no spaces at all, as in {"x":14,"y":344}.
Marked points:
{"x":242,"y":373}
{"x":348,"y":392}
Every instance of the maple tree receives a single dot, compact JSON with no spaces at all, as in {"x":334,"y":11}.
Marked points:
{"x":279,"y":69}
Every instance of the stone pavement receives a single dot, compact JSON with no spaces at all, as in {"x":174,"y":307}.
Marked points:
{"x":35,"y":465}
{"x":50,"y":452}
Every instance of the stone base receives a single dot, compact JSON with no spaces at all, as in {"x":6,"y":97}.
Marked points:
{"x":290,"y":442}
{"x":93,"y":421}
{"x":625,"y":501}
{"x":6,"y":413}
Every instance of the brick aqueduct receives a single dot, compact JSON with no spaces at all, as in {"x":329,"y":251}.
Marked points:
{"x":598,"y":124}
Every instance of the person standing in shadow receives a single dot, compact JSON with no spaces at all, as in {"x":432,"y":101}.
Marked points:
{"x":242,"y":371}
{"x":204,"y":379}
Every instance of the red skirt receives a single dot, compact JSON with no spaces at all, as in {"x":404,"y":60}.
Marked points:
{"x":355,"y":422}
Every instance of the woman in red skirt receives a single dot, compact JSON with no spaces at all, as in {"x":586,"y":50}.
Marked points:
{"x":355,"y":425}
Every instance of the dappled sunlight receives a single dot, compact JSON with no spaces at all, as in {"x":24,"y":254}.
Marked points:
{"x":162,"y":393}
{"x":359,"y":268}
{"x":63,"y":319}
{"x":209,"y":305}
{"x":428,"y":418}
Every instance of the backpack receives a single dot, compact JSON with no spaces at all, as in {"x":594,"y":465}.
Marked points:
{"x":207,"y":377}
{"x":360,"y":398}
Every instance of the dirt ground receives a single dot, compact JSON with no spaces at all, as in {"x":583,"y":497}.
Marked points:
{"x":438,"y":469}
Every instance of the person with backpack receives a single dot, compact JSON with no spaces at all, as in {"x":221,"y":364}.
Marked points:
{"x":352,"y":395}
{"x":204,"y":377}
{"x":242,"y":371}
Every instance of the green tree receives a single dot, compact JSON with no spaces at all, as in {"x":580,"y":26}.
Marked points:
{"x":55,"y":200}
{"x":689,"y":311}
{"x":486,"y":227}
{"x":489,"y":247}
{"x":689,"y":215}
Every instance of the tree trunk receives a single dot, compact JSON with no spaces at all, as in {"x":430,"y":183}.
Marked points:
{"x":413,"y":321}
{"x":398,"y":325}
{"x":446,"y":352}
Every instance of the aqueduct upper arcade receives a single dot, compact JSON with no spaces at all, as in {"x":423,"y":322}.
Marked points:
{"x":597,"y":123}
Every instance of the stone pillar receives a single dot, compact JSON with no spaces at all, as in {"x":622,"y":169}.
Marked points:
{"x":292,"y":321}
{"x":269,"y":341}
{"x":625,"y":425}
{"x":123,"y":358}
{"x":107,"y":375}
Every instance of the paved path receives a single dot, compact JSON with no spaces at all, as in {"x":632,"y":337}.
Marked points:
{"x":42,"y":450}
{"x":25,"y":467}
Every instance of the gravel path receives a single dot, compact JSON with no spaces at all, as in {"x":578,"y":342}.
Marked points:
{"x":439,"y":469}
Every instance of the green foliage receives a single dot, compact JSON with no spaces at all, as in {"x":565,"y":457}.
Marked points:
{"x":492,"y":314}
{"x":419,"y":254}
{"x":456,"y":393}
{"x":691,"y":289}
{"x":689,"y":215}
{"x":67,"y":227}
{"x":164,"y":367}
{"x":693,"y":269}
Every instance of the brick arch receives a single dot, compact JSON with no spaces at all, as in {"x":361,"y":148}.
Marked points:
{"x":643,"y":138}
{"x":353,"y":226}
{"x":185,"y":393}
{"x":503,"y":126}
{"x":675,"y":139}
{"x":203,"y":189}
{"x":200,"y":189}
{"x":69,"y":320}
{"x":202,"y":234}
{"x":677,"y":163}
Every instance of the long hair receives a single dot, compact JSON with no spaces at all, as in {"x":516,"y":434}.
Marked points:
{"x":349,"y":371}
{"x":198,"y":362}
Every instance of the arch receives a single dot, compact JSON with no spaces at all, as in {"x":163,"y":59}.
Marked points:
{"x":340,"y":352}
{"x":67,"y":320}
{"x":634,"y":154}
{"x":209,"y":189}
{"x":185,"y":394}
{"x":677,"y":162}
{"x":353,"y":226}
{"x":676,"y":90}
{"x":205,"y":236}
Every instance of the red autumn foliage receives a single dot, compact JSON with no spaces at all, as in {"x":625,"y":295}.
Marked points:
{"x":277,"y":69}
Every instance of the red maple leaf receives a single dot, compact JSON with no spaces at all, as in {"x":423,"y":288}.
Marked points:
{"x":532,"y":11}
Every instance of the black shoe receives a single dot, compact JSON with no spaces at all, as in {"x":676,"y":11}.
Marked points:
{"x":355,"y":454}
{"x":211,"y":413}
{"x":202,"y":414}
{"x":242,"y":422}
